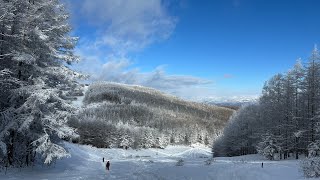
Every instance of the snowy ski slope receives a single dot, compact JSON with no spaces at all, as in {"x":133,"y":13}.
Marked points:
{"x":86,"y":163}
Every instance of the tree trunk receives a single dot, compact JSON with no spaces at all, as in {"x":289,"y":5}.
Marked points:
{"x":2,"y":42}
{"x":19,"y":71}
{"x":10,"y":149}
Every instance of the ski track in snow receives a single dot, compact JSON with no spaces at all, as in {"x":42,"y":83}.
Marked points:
{"x":86,"y":163}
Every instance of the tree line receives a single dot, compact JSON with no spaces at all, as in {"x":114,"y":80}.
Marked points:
{"x":285,"y":120}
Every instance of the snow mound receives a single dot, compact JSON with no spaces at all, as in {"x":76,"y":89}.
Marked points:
{"x":194,"y":153}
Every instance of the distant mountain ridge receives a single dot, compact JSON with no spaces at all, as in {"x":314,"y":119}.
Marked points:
{"x":233,"y":102}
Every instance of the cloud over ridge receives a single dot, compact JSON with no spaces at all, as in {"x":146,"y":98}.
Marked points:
{"x":120,"y":71}
{"x":123,"y":27}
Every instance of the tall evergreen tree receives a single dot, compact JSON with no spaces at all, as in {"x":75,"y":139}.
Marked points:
{"x":312,"y":92}
{"x":35,"y":52}
{"x":298,"y":76}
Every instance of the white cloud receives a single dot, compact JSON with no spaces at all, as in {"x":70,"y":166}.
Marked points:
{"x":184,"y":86}
{"x":122,"y":27}
{"x":122,"y":72}
{"x":127,"y":25}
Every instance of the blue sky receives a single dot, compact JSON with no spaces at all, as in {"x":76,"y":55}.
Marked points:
{"x":194,"y":49}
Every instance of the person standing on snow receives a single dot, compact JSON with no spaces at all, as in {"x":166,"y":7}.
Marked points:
{"x":108,"y":165}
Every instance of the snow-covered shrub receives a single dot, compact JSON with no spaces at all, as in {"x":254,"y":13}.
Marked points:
{"x":161,"y":141}
{"x":313,"y":150}
{"x":311,"y":167}
{"x":180,"y":162}
{"x":126,"y":101}
{"x":209,"y":161}
{"x":268,"y":147}
{"x":148,"y":139}
{"x":125,"y":141}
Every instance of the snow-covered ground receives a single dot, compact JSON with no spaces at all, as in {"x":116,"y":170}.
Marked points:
{"x":86,"y":163}
{"x":78,"y":103}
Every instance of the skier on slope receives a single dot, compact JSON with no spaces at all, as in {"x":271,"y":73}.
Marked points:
{"x":108,"y":165}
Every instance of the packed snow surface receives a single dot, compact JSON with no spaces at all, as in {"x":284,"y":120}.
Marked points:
{"x":86,"y":163}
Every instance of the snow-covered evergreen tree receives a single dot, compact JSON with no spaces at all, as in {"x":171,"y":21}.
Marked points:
{"x":311,"y":165}
{"x":312,"y":95}
{"x":269,"y":146}
{"x":125,"y":141}
{"x":35,"y":52}
{"x":297,"y":118}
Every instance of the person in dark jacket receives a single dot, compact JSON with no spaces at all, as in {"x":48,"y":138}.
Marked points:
{"x":103,"y":159}
{"x":108,"y":165}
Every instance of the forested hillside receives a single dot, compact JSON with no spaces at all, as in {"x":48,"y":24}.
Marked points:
{"x":118,"y":115}
{"x":284,"y":122}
